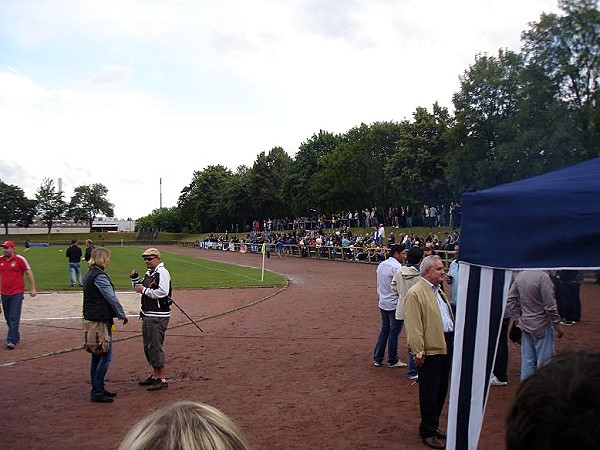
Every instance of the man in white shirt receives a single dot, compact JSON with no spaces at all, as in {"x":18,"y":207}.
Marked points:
{"x":390,"y":326}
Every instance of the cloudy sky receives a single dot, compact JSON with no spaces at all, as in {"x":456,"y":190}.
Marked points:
{"x":129,"y":92}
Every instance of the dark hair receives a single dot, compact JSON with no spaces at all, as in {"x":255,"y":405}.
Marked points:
{"x":558,"y":407}
{"x":414,"y":255}
{"x":396,"y":248}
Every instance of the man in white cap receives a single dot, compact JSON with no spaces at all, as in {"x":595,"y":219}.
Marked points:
{"x":12,"y":289}
{"x":155,"y":313}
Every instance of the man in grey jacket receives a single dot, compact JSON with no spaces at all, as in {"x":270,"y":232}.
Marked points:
{"x":532,"y":302}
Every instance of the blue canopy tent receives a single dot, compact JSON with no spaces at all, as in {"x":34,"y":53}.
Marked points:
{"x":550,"y":221}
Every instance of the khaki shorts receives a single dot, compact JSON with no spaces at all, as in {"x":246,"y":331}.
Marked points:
{"x":153,"y":332}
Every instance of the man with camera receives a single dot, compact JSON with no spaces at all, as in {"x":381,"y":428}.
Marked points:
{"x":155,"y":289}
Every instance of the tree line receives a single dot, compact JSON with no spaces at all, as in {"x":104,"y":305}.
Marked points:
{"x":516,"y":115}
{"x":87,"y":202}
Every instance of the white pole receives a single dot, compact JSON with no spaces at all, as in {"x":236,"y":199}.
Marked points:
{"x":262,"y":275}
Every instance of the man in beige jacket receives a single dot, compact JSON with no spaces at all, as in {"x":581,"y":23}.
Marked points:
{"x":430,"y":332}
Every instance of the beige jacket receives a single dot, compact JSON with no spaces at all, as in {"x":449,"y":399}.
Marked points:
{"x":423,"y":321}
{"x":404,"y":278}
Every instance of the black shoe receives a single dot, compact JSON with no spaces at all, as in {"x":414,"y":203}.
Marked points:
{"x":158,"y":384}
{"x":439,"y":433}
{"x":103,"y":399}
{"x":148,"y":381}
{"x":110,"y":394}
{"x":434,"y":442}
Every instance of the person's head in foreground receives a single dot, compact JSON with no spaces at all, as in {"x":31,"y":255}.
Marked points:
{"x":558,"y":407}
{"x":185,"y":425}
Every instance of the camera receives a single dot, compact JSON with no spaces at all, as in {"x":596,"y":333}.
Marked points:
{"x":135,"y":277}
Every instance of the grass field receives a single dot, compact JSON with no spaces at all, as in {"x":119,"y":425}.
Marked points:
{"x":51,"y":270}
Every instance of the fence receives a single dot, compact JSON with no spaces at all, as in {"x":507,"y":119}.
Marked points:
{"x":325,"y":252}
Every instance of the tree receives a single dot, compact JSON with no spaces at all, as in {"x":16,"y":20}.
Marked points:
{"x":15,"y":207}
{"x":303,"y":168}
{"x":417,"y":168}
{"x":201,"y":204}
{"x":486,"y":105}
{"x":266,"y":184}
{"x":50,"y":203}
{"x":88,"y":202}
{"x":567,"y":49}
{"x":237,"y":198}
{"x":353,"y":174}
{"x":165,"y":219}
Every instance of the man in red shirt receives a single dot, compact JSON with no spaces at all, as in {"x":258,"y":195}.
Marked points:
{"x":12,"y":289}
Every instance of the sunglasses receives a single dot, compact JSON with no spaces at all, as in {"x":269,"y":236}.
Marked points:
{"x":149,"y":258}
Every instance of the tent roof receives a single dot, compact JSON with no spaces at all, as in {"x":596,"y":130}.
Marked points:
{"x":550,"y":221}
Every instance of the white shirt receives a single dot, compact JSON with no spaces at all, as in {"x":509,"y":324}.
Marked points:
{"x":385,"y":272}
{"x":447,"y":321}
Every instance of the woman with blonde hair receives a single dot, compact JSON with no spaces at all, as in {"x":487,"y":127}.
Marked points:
{"x":185,"y":425}
{"x":100,"y":307}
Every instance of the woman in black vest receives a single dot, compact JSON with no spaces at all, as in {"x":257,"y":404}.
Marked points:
{"x":100,"y":304}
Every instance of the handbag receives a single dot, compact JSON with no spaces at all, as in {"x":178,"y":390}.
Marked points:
{"x":96,"y":337}
{"x":515,"y":333}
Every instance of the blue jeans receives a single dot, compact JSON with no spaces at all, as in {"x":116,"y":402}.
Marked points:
{"x":412,"y":367}
{"x":536,"y":351}
{"x":98,"y":368}
{"x":390,"y":330}
{"x":75,"y":270}
{"x":12,"y":305}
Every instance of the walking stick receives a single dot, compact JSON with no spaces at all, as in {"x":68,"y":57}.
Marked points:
{"x":186,"y":315}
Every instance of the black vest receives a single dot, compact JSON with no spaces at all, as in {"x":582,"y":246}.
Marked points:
{"x":95,"y":306}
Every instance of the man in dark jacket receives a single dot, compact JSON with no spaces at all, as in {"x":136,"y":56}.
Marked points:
{"x":74,"y":255}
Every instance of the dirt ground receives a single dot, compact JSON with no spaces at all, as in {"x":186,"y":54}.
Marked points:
{"x":292,"y":366}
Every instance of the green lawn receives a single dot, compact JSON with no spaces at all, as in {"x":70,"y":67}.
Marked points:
{"x":51,"y":270}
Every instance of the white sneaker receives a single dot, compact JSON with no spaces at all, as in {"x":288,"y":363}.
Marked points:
{"x":400,"y":363}
{"x":496,"y":382}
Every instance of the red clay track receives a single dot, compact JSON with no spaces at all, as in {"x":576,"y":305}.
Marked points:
{"x":293,"y":370}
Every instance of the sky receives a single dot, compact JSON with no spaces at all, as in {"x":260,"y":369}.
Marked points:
{"x":139,"y":94}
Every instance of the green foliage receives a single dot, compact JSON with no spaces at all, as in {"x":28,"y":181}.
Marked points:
{"x":15,"y":207}
{"x":50,"y":203}
{"x":162,"y":219}
{"x":51,"y":270}
{"x":88,"y":202}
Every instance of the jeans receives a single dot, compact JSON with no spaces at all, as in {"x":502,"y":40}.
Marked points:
{"x":390,"y":330}
{"x":12,"y":305}
{"x":412,"y":367}
{"x":536,"y":351}
{"x":75,"y":270}
{"x":98,"y":367}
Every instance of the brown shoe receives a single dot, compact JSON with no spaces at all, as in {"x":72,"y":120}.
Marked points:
{"x":434,"y":442}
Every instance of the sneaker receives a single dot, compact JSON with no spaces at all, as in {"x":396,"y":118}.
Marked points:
{"x":158,"y":384}
{"x":399,"y":363}
{"x":496,"y":382}
{"x":376,"y":364}
{"x":10,"y":346}
{"x":567,"y":322}
{"x":109,"y":394}
{"x":413,"y":377}
{"x":148,"y":381}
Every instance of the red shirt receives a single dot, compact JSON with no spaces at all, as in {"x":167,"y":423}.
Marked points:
{"x":11,"y":274}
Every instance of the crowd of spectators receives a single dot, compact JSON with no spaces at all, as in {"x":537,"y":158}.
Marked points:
{"x":333,"y":243}
{"x":431,"y":216}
